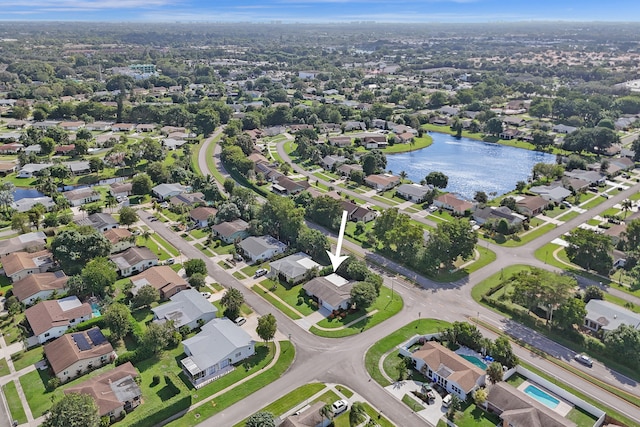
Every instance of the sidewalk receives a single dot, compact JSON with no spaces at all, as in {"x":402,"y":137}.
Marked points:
{"x":13,"y":376}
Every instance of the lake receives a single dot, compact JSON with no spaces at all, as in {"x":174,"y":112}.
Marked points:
{"x":470,"y":165}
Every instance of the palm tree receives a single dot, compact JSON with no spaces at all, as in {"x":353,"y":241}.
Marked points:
{"x":110,"y":202}
{"x":357,"y":415}
{"x":626,"y":206}
{"x":326,"y":412}
{"x":403,"y":175}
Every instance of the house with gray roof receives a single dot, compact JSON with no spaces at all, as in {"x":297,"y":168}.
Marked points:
{"x":80,"y":167}
{"x":186,"y":308}
{"x":488,"y":213}
{"x":555,"y":194}
{"x":515,"y":408}
{"x":605,"y":316}
{"x":27,"y":203}
{"x":166,"y":191}
{"x":332,"y":292}
{"x":564,"y":129}
{"x":28,"y":242}
{"x":592,"y":177}
{"x":261,"y":248}
{"x":414,"y":192}
{"x":214,"y":350}
{"x":31,"y":169}
{"x":99,"y":221}
{"x":293,"y":268}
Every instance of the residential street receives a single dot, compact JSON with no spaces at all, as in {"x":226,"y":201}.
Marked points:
{"x":341,"y":360}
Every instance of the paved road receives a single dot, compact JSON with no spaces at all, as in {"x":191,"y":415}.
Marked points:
{"x":341,"y":360}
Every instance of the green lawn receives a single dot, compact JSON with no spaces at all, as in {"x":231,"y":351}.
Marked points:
{"x":289,"y":400}
{"x":593,"y":203}
{"x":545,"y":254}
{"x":473,"y":416}
{"x":284,"y":308}
{"x":9,"y":328}
{"x":386,"y":304}
{"x":4,"y":368}
{"x":516,"y":379}
{"x":238,"y":393}
{"x":294,"y":296}
{"x":153,"y":247}
{"x":342,"y":389}
{"x":529,"y":236}
{"x":169,"y":247}
{"x":199,"y":233}
{"x":23,"y":358}
{"x":14,"y":402}
{"x":569,"y":216}
{"x":412,"y":403}
{"x":487,"y":256}
{"x":386,"y":344}
{"x":581,"y":417}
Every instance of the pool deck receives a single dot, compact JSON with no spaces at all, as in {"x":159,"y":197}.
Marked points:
{"x":563,"y":407}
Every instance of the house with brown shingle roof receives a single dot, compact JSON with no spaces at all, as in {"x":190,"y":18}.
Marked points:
{"x":201,"y":215}
{"x":357,"y":213}
{"x":28,"y":242}
{"x":162,"y":278}
{"x":71,"y":355}
{"x":51,"y":319}
{"x":451,"y":203}
{"x":531,"y":205}
{"x":230,"y":231}
{"x":309,"y":417}
{"x":120,"y":239}
{"x":134,"y":260}
{"x":19,"y":265}
{"x":114,"y":391}
{"x":382,"y":182}
{"x":449,"y":370}
{"x":515,"y":408}
{"x":39,"y":286}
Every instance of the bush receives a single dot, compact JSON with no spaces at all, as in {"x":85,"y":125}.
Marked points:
{"x":88,"y":324}
{"x":155,"y":381}
{"x":53,"y":383}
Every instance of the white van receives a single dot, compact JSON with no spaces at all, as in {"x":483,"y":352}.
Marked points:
{"x":446,"y":401}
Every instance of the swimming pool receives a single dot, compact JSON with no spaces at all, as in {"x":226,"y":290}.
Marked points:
{"x":541,"y":396}
{"x":476,"y":361}
{"x":95,"y":309}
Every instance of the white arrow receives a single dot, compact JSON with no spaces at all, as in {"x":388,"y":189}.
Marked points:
{"x":336,"y":259}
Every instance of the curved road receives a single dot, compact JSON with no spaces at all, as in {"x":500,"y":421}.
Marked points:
{"x":341,"y":360}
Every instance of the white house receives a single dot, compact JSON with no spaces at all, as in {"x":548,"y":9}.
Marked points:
{"x":27,"y":203}
{"x":447,"y":369}
{"x":260,"y":248}
{"x":213,"y":351}
{"x":186,"y":308}
{"x":51,"y":319}
{"x":293,"y":268}
{"x":81,"y":196}
{"x":134,"y":260}
{"x":332,"y":292}
{"x":39,"y":286}
{"x":166,"y":191}
{"x":605,"y":316}
{"x":99,"y":221}
{"x":19,"y":265}
{"x":414,"y":192}
{"x":31,"y":169}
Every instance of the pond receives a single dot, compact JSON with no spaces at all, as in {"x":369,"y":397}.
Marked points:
{"x":26,"y":193}
{"x":470,"y":165}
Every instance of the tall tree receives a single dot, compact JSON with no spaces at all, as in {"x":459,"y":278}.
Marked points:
{"x":75,"y":248}
{"x":99,"y":275}
{"x":437,"y":179}
{"x":590,"y":250}
{"x":73,"y":410}
{"x":267,"y":326}
{"x":118,"y":319}
{"x":494,"y":372}
{"x":127,"y":216}
{"x":194,"y":266}
{"x":363,"y":295}
{"x":232,"y":300}
{"x":146,"y":296}
{"x":572,"y":312}
{"x":357,"y":414}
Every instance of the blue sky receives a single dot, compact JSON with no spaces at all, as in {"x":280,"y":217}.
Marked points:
{"x":320,"y":10}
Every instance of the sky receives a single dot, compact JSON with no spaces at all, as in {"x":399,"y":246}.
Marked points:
{"x":289,"y":11}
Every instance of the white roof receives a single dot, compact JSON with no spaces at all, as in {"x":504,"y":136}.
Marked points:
{"x":184,"y":307}
{"x":609,"y":316}
{"x":69,"y":303}
{"x":336,"y":280}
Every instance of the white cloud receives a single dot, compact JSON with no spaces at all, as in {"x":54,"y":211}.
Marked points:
{"x":64,"y":5}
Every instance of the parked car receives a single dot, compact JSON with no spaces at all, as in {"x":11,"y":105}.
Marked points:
{"x":261,"y":272}
{"x":207,"y":295}
{"x":240,"y":321}
{"x":339,"y":406}
{"x":567,"y":204}
{"x":446,"y":401}
{"x":170,"y":261}
{"x":584,"y":359}
{"x":605,"y":195}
